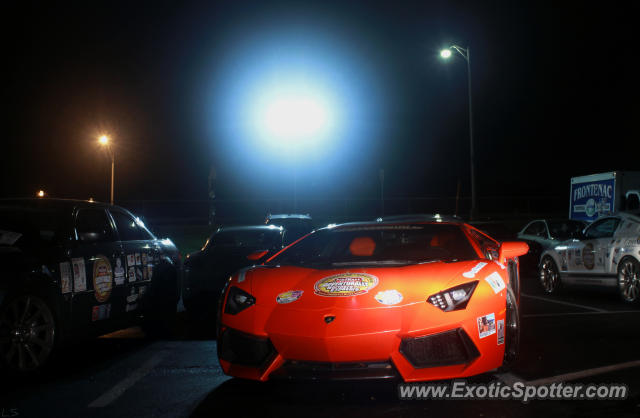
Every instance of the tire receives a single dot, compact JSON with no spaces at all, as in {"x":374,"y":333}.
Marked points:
{"x":512,"y":330}
{"x":629,"y":280}
{"x":28,"y":333}
{"x":549,"y":275}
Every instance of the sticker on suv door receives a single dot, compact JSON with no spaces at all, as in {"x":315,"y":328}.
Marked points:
{"x":102,"y":278}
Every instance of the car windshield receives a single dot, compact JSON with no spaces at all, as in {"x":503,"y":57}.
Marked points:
{"x":565,"y":229}
{"x":379,"y":245}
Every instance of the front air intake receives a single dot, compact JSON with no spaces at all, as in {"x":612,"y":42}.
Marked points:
{"x":444,"y":349}
{"x":245,"y":349}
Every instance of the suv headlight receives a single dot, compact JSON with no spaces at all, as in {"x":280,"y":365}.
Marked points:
{"x":455,"y":298}
{"x":238,"y":300}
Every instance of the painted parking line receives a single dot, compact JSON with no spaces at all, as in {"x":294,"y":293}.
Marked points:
{"x":552,"y":315}
{"x":584,"y":373}
{"x":126,"y":383}
{"x":508,"y":378}
{"x":575,"y":305}
{"x":511,"y":378}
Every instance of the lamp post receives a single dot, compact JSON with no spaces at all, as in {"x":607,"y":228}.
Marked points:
{"x":466,"y":54}
{"x":104,"y":141}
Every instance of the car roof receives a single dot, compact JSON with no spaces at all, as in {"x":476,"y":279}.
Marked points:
{"x":238,"y":228}
{"x":421,"y":217}
{"x":375,"y":224}
{"x":289,"y":216}
{"x":633,"y":215}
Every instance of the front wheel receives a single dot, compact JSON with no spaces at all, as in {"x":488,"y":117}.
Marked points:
{"x":549,"y":275}
{"x":27,"y":333}
{"x":629,"y":280}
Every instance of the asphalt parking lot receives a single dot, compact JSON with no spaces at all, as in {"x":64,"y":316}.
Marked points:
{"x":585,"y":336}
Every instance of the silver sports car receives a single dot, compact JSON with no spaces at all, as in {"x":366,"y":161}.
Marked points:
{"x":607,"y":253}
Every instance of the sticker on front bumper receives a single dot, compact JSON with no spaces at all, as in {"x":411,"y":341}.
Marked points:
{"x":345,"y":284}
{"x":389,"y":297}
{"x":487,"y":325}
{"x":288,"y":297}
{"x":496,"y":282}
{"x":472,"y":273}
{"x":501,"y":331}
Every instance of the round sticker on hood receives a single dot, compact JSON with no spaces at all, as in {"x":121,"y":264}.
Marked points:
{"x":345,"y":284}
{"x":288,"y":297}
{"x":389,"y":297}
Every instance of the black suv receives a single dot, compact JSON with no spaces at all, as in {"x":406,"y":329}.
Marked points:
{"x":70,"y":269}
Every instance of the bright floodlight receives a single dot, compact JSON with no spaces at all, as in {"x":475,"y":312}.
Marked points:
{"x":40,"y":193}
{"x":445,"y":53}
{"x":293,"y":117}
{"x":104,"y":140}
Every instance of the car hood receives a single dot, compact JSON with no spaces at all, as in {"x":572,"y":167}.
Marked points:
{"x":357,"y":288}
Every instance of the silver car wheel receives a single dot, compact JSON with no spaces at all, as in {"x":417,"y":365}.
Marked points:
{"x":549,"y":276}
{"x":629,"y":280}
{"x":27,"y":333}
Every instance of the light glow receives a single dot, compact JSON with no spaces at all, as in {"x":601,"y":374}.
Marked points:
{"x":285,"y":95}
{"x":445,"y":53}
{"x":41,"y":193}
{"x":104,"y":140}
{"x":292,"y":116}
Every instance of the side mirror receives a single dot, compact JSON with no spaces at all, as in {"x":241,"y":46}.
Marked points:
{"x":257,"y":255}
{"x":511,"y":249}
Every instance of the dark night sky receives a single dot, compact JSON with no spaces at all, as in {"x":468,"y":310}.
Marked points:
{"x":555,"y":95}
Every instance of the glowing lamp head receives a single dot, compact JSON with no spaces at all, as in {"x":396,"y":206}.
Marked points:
{"x":103,"y":140}
{"x":40,"y":193}
{"x":445,"y":53}
{"x":293,"y":117}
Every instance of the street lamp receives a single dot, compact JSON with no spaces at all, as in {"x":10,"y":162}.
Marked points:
{"x":466,"y":54}
{"x":105,"y":142}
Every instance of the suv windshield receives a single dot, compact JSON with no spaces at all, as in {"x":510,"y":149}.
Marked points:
{"x":250,"y":238}
{"x":380,"y":245}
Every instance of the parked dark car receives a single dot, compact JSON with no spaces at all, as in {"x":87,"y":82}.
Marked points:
{"x":226,"y":251}
{"x":296,"y":225}
{"x":72,"y":269}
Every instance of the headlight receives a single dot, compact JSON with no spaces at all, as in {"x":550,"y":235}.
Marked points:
{"x":454,"y":298}
{"x":238,"y":300}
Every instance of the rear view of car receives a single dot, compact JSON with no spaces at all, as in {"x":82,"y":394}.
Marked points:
{"x":419,"y":300}
{"x":226,"y":251}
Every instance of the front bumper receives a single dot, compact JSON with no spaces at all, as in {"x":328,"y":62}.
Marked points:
{"x":387,"y":344}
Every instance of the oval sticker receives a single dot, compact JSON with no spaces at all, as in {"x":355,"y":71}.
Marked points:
{"x":288,"y":297}
{"x":102,"y":278}
{"x":345,"y":284}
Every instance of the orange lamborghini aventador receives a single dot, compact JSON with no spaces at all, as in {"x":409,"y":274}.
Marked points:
{"x":423,"y":299}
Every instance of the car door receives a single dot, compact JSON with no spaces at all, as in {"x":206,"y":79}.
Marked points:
{"x":589,"y":255}
{"x":139,"y":261}
{"x":93,"y":258}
